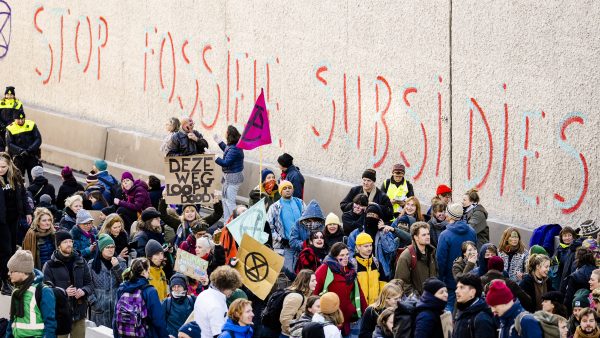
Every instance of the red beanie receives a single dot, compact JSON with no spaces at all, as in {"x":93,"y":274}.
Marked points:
{"x":442,"y":189}
{"x":495,"y":263}
{"x":498,"y":294}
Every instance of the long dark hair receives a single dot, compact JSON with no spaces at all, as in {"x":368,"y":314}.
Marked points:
{"x":138,"y":266}
{"x":233,"y":135}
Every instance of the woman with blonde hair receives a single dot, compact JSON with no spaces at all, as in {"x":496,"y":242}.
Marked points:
{"x":388,"y":299}
{"x":39,"y":239}
{"x":476,"y":215}
{"x":239,"y":320}
{"x":512,"y":251}
{"x":171,"y":126}
{"x":295,"y":301}
{"x":113,"y":226}
{"x":536,"y":282}
{"x":410,"y":213}
{"x":72,"y":205}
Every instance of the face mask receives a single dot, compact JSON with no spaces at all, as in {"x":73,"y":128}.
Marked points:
{"x":269,"y":186}
{"x":178,"y":294}
{"x":371,"y":222}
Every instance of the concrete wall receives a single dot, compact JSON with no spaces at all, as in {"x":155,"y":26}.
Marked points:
{"x":498,"y":96}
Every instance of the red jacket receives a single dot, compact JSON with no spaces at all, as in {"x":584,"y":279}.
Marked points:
{"x":344,"y":291}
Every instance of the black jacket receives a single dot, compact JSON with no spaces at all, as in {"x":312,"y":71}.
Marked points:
{"x":475,"y":321}
{"x":56,"y":271}
{"x":184,"y":146}
{"x":23,"y":207}
{"x":352,"y":221}
{"x":67,"y":189}
{"x":39,"y":187}
{"x":577,"y":280}
{"x":512,"y":285}
{"x":428,"y":323}
{"x":368,"y":322}
{"x":29,"y":141}
{"x":331,"y":239}
{"x":380,"y":198}
{"x":528,"y":286}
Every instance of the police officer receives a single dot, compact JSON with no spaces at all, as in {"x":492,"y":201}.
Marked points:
{"x":24,"y":140}
{"x":9,"y":106}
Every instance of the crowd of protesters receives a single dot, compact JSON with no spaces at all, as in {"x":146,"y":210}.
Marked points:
{"x":381,"y":267}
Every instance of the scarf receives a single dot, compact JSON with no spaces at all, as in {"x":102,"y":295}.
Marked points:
{"x":465,"y":305}
{"x":98,"y":261}
{"x":470,"y":207}
{"x":347,"y":272}
{"x":88,"y":235}
{"x":370,"y":195}
{"x":321,"y":253}
{"x":17,"y":307}
{"x":580,"y":334}
{"x":269,"y":186}
{"x":71,"y":213}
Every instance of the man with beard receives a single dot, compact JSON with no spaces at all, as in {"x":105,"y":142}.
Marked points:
{"x":417,"y":262}
{"x":587,"y":325}
{"x":473,"y":315}
{"x":69,"y":271}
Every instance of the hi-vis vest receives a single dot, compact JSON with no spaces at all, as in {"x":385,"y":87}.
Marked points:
{"x":11,"y":103}
{"x":394,"y":191}
{"x":32,"y":324}
{"x":15,"y":129}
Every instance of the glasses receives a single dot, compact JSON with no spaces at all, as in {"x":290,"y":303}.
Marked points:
{"x":109,"y":247}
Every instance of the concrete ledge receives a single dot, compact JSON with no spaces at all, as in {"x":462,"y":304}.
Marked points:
{"x":135,"y":152}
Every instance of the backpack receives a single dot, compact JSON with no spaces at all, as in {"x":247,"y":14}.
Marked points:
{"x":62,"y":308}
{"x":313,"y":330}
{"x":544,"y":236}
{"x":131,"y":314}
{"x":3,"y":326}
{"x":404,"y":319}
{"x":270,"y":314}
{"x":115,"y":187}
{"x":548,"y":323}
{"x":169,"y":303}
{"x":413,"y":255}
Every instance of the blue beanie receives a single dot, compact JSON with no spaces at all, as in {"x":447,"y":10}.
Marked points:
{"x":264,"y":173}
{"x":191,"y":329}
{"x":100,"y":165}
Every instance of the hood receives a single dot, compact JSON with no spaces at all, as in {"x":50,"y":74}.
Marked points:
{"x":230,"y":325}
{"x":313,"y":210}
{"x":481,"y":259}
{"x":38,"y":276}
{"x":459,"y":228}
{"x":480,"y":207}
{"x":430,"y":302}
{"x":130,"y":286}
{"x":40,"y":180}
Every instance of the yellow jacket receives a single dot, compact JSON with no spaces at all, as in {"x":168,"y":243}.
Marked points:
{"x":367,"y":273}
{"x":158,"y":279}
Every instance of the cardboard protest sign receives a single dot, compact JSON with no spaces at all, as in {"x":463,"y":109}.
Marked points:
{"x":259,"y":266}
{"x":190,"y":265}
{"x":251,"y":222}
{"x":257,"y":131}
{"x":191,"y":179}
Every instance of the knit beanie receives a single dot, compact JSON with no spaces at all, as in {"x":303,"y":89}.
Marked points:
{"x":370,"y":174}
{"x":581,"y":299}
{"x":62,"y":235}
{"x":91,"y":178}
{"x":152,"y":248}
{"x":363,"y":238}
{"x":100,"y":165}
{"x":433,"y":285}
{"x":83,"y":216}
{"x":191,"y":329}
{"x":37,"y":171}
{"x":284,"y":184}
{"x":178,"y":279}
{"x":66,"y":172}
{"x":442,"y":189}
{"x":455,"y":210}
{"x":589,"y":228}
{"x":332,"y":219}
{"x":264,"y":173}
{"x":499,"y":293}
{"x":149,"y":213}
{"x":330,"y":303}
{"x":237,"y":294}
{"x":285,"y":160}
{"x":398,"y":167}
{"x":107,"y":211}
{"x":45,"y":198}
{"x":128,"y":175}
{"x":21,"y":261}
{"x":538,"y":249}
{"x":104,"y":240}
{"x":495,"y":263}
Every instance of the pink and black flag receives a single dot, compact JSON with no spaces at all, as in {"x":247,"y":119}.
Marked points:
{"x":257,"y":131}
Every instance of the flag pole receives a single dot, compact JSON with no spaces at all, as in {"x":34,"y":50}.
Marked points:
{"x":260,"y":168}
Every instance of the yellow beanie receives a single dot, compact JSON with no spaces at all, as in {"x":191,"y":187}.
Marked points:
{"x":332,"y":219}
{"x":363,"y":238}
{"x":284,"y":184}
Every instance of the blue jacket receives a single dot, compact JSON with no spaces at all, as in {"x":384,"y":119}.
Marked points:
{"x":110,"y":179}
{"x":293,"y":175}
{"x":449,"y":248}
{"x":301,"y":233}
{"x":233,"y":158}
{"x":82,"y":243}
{"x":384,"y":250}
{"x":157,"y":325}
{"x":428,"y":323}
{"x":46,"y":307}
{"x":177,"y":311}
{"x":577,"y":280}
{"x":237,"y":330}
{"x":530,"y":327}
{"x":481,"y":268}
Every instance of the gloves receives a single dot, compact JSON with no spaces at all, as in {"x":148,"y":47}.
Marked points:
{"x":217,"y":138}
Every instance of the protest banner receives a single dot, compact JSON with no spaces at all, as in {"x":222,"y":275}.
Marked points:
{"x":190,"y":265}
{"x":191,"y":179}
{"x":251,"y":222}
{"x":259,"y":266}
{"x":257,"y":131}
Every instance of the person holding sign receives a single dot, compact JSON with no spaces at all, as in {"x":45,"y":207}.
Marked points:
{"x":233,"y":165}
{"x":211,"y":252}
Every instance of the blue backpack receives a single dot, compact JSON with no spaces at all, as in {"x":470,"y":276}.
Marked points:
{"x":544,"y":236}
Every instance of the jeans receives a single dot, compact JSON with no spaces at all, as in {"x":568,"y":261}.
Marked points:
{"x":231,"y":186}
{"x":289,"y":263}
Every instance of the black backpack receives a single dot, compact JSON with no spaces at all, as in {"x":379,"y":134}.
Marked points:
{"x":115,"y":188}
{"x":404,"y":319}
{"x":62,"y":308}
{"x":270,"y":314}
{"x":313,"y":330}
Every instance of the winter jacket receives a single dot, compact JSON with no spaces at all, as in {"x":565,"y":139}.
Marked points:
{"x":41,"y":247}
{"x":477,"y":218}
{"x":274,"y":219}
{"x":378,"y":333}
{"x":68,"y":221}
{"x":106,"y":180}
{"x":237,"y":330}
{"x":83,"y":243}
{"x":514,"y":263}
{"x":293,"y":307}
{"x":182,"y":145}
{"x":476,"y":321}
{"x":435,"y":229}
{"x":530,"y":327}
{"x":385,"y":187}
{"x":66,"y":189}
{"x":368,"y":322}
{"x":104,"y":296}
{"x":577,"y":280}
{"x":121,"y":241}
{"x":517,"y":292}
{"x":426,"y":267}
{"x":233,"y":158}
{"x":566,"y":256}
{"x":370,"y":277}
{"x":142,"y":237}
{"x":449,"y":248}
{"x":292,"y":174}
{"x":57,"y":271}
{"x":329,"y":329}
{"x":23,"y":207}
{"x":344,"y":292}
{"x":47,"y":308}
{"x":309,"y":259}
{"x":384,"y":249}
{"x":183,"y":231}
{"x":137,"y":198}
{"x":259,"y":193}
{"x":300,"y":233}
{"x":23,"y":138}
{"x":528,"y":286}
{"x":176,"y":311}
{"x":428,"y":323}
{"x":352,"y":221}
{"x":40,"y":186}
{"x":157,"y":325}
{"x":380,"y":198}
{"x":461,"y":266}
{"x":331,"y":239}
{"x":297,"y":325}
{"x":158,"y":279}
{"x":155,"y":196}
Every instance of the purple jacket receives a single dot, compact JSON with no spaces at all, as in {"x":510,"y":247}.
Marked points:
{"x":138,"y":197}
